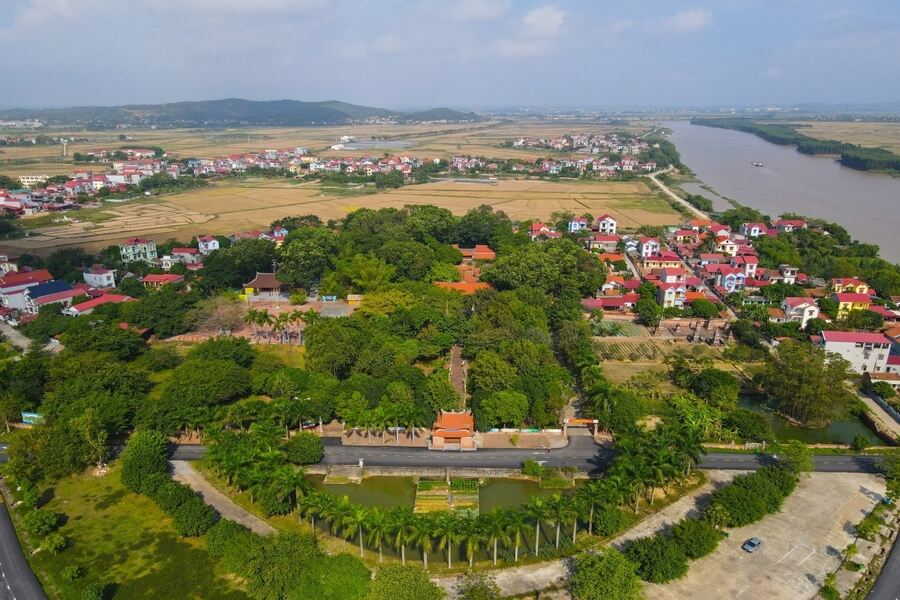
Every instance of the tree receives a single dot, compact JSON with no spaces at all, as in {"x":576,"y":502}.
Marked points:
{"x":54,"y":543}
{"x":477,"y":586}
{"x":502,"y":409}
{"x":605,"y":576}
{"x":405,"y":528}
{"x":305,"y":255}
{"x":517,"y":528}
{"x":704,"y":309}
{"x":649,"y":312}
{"x":794,"y":455}
{"x":807,"y":384}
{"x":93,"y":433}
{"x":399,"y":582}
{"x":40,"y":522}
{"x":11,"y":405}
{"x":718,"y":387}
{"x":144,"y":456}
{"x":305,"y":448}
{"x":697,"y":538}
{"x":93,"y":591}
{"x":490,"y":372}
{"x":218,"y":314}
{"x":658,"y":558}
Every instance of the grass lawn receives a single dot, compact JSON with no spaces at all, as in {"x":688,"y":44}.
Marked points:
{"x":293,"y":356}
{"x":124,"y":540}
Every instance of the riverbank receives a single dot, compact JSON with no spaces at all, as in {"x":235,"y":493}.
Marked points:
{"x":789,"y":182}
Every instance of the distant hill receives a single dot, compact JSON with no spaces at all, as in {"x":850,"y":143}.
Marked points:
{"x":231,"y":111}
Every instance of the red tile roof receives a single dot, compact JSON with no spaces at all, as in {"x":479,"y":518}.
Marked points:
{"x":25,"y":277}
{"x":100,"y":300}
{"x":863,"y":298}
{"x":163,"y":278}
{"x":855,"y":337}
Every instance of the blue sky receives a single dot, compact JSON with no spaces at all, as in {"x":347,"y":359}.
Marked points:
{"x":467,"y":53}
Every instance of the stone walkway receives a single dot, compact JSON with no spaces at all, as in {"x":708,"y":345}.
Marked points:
{"x":185,"y":473}
{"x":528,"y":579}
{"x":886,"y":421}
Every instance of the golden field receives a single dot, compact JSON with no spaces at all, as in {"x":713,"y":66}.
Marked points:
{"x":231,"y":206}
{"x":886,"y":135}
{"x":437,"y":140}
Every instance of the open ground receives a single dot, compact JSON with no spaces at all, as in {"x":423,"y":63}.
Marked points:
{"x":230,"y":206}
{"x":801,"y":544}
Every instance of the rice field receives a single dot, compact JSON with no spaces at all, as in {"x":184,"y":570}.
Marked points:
{"x":886,"y":135}
{"x":231,"y":206}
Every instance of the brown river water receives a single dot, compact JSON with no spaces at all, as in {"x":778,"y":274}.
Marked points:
{"x":867,"y":204}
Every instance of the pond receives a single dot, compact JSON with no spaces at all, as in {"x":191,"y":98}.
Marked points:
{"x":388,"y":492}
{"x":838,"y":432}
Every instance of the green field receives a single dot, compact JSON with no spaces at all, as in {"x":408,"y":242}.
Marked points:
{"x":124,"y":541}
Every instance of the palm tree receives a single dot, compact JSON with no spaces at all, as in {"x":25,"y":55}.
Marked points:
{"x":422,"y":534}
{"x":494,"y":526}
{"x":447,"y":529}
{"x":401,"y":521}
{"x":574,"y":508}
{"x":287,"y":412}
{"x":315,"y":503}
{"x":336,"y":511}
{"x":537,"y":509}
{"x":354,"y":522}
{"x":558,"y":509}
{"x":378,"y":525}
{"x":517,"y":527}
{"x":591,"y":494}
{"x":471,"y":533}
{"x":290,"y":482}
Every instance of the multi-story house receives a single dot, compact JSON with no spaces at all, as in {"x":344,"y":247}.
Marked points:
{"x":138,"y":250}
{"x":866,"y":352}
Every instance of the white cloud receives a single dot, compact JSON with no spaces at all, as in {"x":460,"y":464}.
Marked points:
{"x":544,"y":20}
{"x":521,"y":48}
{"x":773,"y":73}
{"x":482,"y":10}
{"x":686,"y":21}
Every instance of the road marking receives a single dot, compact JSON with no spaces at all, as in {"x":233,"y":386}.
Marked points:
{"x":742,"y":591}
{"x":808,"y":556}
{"x":787,"y":553}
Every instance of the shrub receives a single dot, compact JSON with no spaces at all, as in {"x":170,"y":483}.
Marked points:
{"x":605,"y":576}
{"x":398,"y":582}
{"x":194,"y":517}
{"x":171,"y":495}
{"x":533,"y":468}
{"x":54,"y":543}
{"x":92,"y":591}
{"x":234,"y":349}
{"x":860,"y":442}
{"x":783,"y":479}
{"x":161,"y":358}
{"x":305,"y":448}
{"x":231,"y":542}
{"x":298,"y":297}
{"x":658,"y":558}
{"x":750,"y":497}
{"x":608,"y":520}
{"x":274,"y":503}
{"x":144,"y":455}
{"x":696,"y":538}
{"x":40,"y":522}
{"x":477,"y":586}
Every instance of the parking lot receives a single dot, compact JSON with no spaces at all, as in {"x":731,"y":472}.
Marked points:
{"x":800,"y":545}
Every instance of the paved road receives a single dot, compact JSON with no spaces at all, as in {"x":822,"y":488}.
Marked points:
{"x":887,"y":587}
{"x":581,"y":452}
{"x":668,"y":192}
{"x":17,"y":581}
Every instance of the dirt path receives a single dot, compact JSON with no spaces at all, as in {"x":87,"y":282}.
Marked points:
{"x":531,"y":578}
{"x":185,"y":473}
{"x":668,"y":192}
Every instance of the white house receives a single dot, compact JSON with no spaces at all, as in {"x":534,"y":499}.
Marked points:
{"x":649,"y":247}
{"x":138,"y":250}
{"x":606,"y":224}
{"x":754,"y":230}
{"x":207,"y":244}
{"x":866,"y":352}
{"x":98,"y":276}
{"x":578,"y":224}
{"x":799,"y":310}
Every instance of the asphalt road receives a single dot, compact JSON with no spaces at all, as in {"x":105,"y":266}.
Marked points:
{"x":581,"y":452}
{"x":17,"y":581}
{"x":887,"y":587}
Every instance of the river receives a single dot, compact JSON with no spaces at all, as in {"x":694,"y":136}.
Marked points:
{"x":867,"y":204}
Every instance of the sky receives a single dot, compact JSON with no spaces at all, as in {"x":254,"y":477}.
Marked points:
{"x":462,"y":54}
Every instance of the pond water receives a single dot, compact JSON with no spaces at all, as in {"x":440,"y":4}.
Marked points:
{"x":388,"y":492}
{"x":838,"y":432}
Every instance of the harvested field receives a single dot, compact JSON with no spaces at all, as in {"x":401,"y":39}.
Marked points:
{"x":886,"y":135}
{"x":230,"y":206}
{"x":472,"y":138}
{"x":625,"y":348}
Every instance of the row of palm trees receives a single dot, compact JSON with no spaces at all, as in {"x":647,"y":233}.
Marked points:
{"x":278,"y":325}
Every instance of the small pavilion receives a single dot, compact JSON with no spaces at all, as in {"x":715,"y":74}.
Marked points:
{"x":453,"y":431}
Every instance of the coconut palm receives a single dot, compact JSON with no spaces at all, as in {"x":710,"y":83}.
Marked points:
{"x":447,"y":529}
{"x":471,"y":532}
{"x":517,"y":527}
{"x":353,"y":523}
{"x":378,"y":526}
{"x":495,"y":527}
{"x":537,"y":510}
{"x":401,"y":521}
{"x":422,"y":533}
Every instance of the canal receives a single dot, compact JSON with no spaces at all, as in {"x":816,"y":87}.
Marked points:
{"x":867,"y":204}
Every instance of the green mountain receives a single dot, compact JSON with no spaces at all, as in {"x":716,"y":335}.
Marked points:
{"x":230,"y":111}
